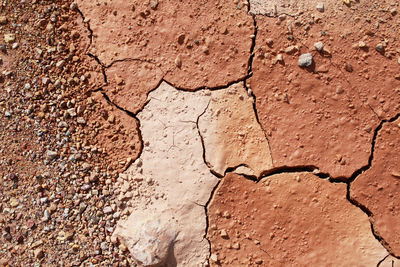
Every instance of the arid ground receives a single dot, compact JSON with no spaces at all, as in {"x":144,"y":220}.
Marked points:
{"x":199,"y":133}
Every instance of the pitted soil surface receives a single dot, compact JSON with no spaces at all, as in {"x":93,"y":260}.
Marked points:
{"x":116,"y":132}
{"x":195,"y":43}
{"x":377,"y":188}
{"x":129,"y":83}
{"x":325,"y":115}
{"x":292,"y":219}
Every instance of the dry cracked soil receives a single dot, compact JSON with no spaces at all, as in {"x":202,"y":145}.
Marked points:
{"x":199,"y":133}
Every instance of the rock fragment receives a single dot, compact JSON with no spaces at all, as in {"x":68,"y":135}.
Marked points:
{"x":9,"y":37}
{"x":319,"y":46}
{"x":149,"y":237}
{"x":320,"y":7}
{"x":305,"y":60}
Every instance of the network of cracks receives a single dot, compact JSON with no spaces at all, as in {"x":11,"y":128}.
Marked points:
{"x":247,"y":157}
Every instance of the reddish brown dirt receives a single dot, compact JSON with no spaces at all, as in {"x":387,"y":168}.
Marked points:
{"x":293,"y":219}
{"x":195,"y":43}
{"x":51,"y":209}
{"x":115,"y":131}
{"x":325,"y":115}
{"x":377,"y":188}
{"x":129,"y":83}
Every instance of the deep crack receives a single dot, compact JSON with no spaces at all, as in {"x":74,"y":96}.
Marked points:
{"x":139,"y":131}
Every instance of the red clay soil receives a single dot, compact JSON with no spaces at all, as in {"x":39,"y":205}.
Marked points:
{"x":377,"y":189}
{"x":292,"y":219}
{"x":129,"y":83}
{"x":115,"y":132}
{"x":325,"y":115}
{"x":195,"y":43}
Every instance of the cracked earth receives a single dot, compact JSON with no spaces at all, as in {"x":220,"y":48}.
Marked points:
{"x":205,"y":133}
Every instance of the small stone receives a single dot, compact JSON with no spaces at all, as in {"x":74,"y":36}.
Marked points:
{"x":320,"y":7}
{"x":319,"y":46}
{"x":348,"y":67}
{"x":291,"y":49}
{"x":305,"y":60}
{"x":393,"y":11}
{"x":3,"y":20}
{"x":181,"y":39}
{"x":380,"y":48}
{"x":51,"y":154}
{"x":118,"y":80}
{"x":270,"y":42}
{"x":7,"y":114}
{"x":46,"y":215}
{"x":60,"y":64}
{"x":178,"y":62}
{"x":214,"y":257}
{"x":15,"y":45}
{"x":224,"y":234}
{"x":279,"y":58}
{"x":81,"y":120}
{"x":153,"y":4}
{"x":9,"y":38}
{"x":362,"y":44}
{"x":14,"y":202}
{"x":107,"y":210}
{"x":236,"y":246}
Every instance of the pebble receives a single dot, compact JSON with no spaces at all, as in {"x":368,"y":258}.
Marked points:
{"x":3,"y":20}
{"x":279,"y":58}
{"x":107,"y":210}
{"x":51,"y":154}
{"x":291,"y":49}
{"x":305,"y":60}
{"x":15,"y":46}
{"x":224,"y":234}
{"x":9,"y":37}
{"x":153,"y":4}
{"x":7,"y":114}
{"x":214,"y":257}
{"x":348,"y":67}
{"x":46,"y":214}
{"x":319,"y":46}
{"x":60,"y":64}
{"x":178,"y":62}
{"x":14,"y":202}
{"x":362,"y":44}
{"x":320,"y":7}
{"x":81,"y":120}
{"x":380,"y":48}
